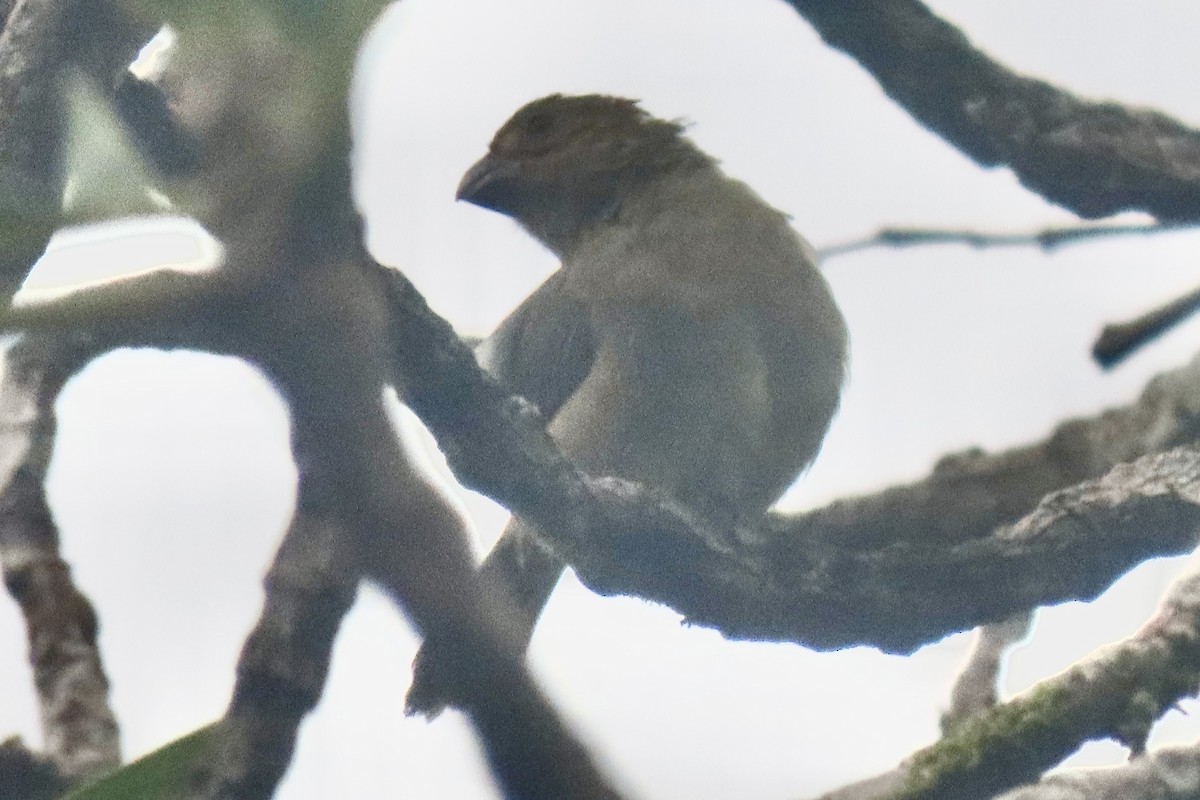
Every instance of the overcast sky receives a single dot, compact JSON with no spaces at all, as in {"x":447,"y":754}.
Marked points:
{"x":172,"y":480}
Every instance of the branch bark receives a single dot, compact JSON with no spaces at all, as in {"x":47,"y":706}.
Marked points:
{"x":78,"y":724}
{"x":871,"y":570}
{"x":895,"y":570}
{"x":295,"y":297}
{"x":284,"y":663}
{"x":1167,"y":774}
{"x":1094,"y":158}
{"x":1116,"y":694}
{"x":975,"y":689}
{"x":31,"y":133}
{"x":1119,"y":340}
{"x":39,"y":38}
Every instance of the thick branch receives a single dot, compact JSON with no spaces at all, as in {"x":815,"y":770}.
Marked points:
{"x":39,"y":37}
{"x":1167,"y":774}
{"x":1094,"y":158}
{"x":285,"y":660}
{"x":895,"y":570}
{"x":799,"y":579}
{"x":279,"y":199}
{"x":79,"y":726}
{"x":897,"y":579}
{"x":1116,"y":694}
{"x":30,"y":135}
{"x":913,"y":592}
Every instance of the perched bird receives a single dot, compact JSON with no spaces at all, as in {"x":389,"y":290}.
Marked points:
{"x":687,"y":342}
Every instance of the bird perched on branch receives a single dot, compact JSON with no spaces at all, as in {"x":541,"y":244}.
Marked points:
{"x":688,"y":341}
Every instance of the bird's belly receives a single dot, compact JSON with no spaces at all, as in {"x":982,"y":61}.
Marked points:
{"x":687,"y":405}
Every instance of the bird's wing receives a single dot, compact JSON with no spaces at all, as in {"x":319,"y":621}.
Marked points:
{"x":543,"y":349}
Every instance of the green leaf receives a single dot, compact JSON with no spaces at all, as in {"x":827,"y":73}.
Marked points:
{"x":161,"y":775}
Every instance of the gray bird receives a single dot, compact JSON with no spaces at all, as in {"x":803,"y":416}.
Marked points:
{"x":688,"y":341}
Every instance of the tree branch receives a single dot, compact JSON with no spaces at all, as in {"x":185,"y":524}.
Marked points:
{"x":975,"y":689}
{"x":39,"y":38}
{"x":895,"y":570}
{"x":913,"y":565}
{"x":1119,"y":340}
{"x":277,"y":195}
{"x":283,"y":666}
{"x":78,"y":724}
{"x":1094,"y":158}
{"x":965,"y":499}
{"x":1167,"y":774}
{"x":24,"y":775}
{"x":911,"y":591}
{"x":1116,"y":694}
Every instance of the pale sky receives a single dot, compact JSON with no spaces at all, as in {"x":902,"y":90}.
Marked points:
{"x":172,"y":480}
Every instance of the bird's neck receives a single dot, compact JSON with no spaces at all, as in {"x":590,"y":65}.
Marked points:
{"x":563,"y":226}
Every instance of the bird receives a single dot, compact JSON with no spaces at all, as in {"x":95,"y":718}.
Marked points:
{"x":688,"y":340}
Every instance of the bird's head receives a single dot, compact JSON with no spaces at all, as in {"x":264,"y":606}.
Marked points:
{"x":561,"y":163}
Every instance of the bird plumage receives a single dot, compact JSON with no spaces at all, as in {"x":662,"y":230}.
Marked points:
{"x":688,"y":340}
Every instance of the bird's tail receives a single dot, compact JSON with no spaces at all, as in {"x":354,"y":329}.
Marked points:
{"x":518,"y":575}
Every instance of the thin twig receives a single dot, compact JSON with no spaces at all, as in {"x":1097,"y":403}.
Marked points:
{"x":1048,"y":239}
{"x":1119,"y":340}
